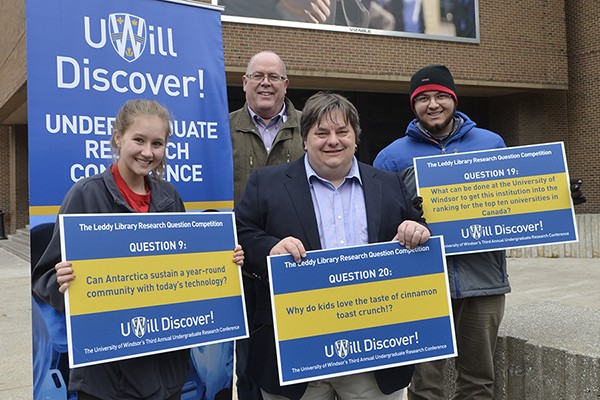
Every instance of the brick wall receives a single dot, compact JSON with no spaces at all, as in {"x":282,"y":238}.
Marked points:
{"x":13,"y":69}
{"x":14,"y":187}
{"x":502,"y":118}
{"x":5,"y":173}
{"x":583,"y":102}
{"x":530,"y":118}
{"x":523,"y":44}
{"x":20,"y":208}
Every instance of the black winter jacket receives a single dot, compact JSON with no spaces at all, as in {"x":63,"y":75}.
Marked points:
{"x":154,"y":377}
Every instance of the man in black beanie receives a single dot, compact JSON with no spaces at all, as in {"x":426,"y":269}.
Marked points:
{"x":478,"y":281}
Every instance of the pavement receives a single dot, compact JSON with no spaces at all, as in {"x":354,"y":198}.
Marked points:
{"x":15,"y":328}
{"x":555,"y":302}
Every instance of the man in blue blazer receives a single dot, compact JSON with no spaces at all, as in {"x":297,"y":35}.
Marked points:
{"x":326,"y":199}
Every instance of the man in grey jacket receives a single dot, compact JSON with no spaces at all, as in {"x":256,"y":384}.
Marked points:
{"x":265,"y":131}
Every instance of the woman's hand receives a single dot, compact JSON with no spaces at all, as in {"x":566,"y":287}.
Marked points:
{"x":64,"y":275}
{"x":238,"y":255}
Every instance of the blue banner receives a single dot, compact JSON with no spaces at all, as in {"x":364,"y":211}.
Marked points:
{"x":86,"y":58}
{"x":361,"y":308}
{"x":498,"y":199}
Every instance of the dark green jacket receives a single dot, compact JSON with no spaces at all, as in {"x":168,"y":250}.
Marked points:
{"x":249,"y":151}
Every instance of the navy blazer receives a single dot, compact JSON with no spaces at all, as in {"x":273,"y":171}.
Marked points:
{"x":276,"y":204}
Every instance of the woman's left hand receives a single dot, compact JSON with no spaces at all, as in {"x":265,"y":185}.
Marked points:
{"x":238,"y":255}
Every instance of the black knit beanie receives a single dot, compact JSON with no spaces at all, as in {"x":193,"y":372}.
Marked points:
{"x":433,"y":77}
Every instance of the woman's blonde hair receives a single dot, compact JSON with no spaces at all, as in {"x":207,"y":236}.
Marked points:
{"x":127,"y":115}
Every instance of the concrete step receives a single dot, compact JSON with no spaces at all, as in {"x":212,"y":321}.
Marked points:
{"x":16,"y":247}
{"x":20,"y":238}
{"x":548,"y":350}
{"x":18,"y":244}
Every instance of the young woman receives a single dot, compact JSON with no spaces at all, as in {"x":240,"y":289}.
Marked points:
{"x":132,"y":184}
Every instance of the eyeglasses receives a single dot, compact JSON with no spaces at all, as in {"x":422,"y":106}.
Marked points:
{"x":440,"y":98}
{"x":259,"y":76}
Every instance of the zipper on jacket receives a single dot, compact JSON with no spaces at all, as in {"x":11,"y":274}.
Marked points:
{"x":288,"y":156}
{"x":251,"y":162}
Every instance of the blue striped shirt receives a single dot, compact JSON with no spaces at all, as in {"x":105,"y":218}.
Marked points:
{"x":341,"y":214}
{"x":269,"y":130}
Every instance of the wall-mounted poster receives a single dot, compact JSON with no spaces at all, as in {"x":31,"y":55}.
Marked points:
{"x":453,"y":20}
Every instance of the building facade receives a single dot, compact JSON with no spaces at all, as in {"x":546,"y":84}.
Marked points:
{"x":532,"y":77}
